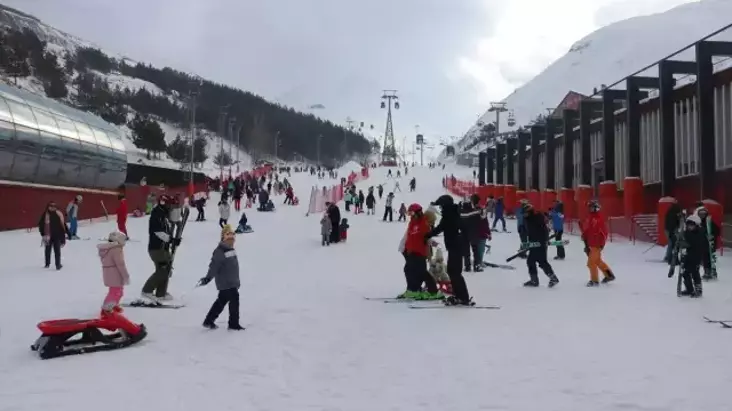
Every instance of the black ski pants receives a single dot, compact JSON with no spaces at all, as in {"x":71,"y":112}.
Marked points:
{"x":231,"y":297}
{"x":523,"y":238}
{"x":537,"y":256}
{"x":691,"y":277}
{"x":471,"y":246}
{"x":201,"y":213}
{"x":415,"y":271}
{"x":54,"y":245}
{"x":560,"y":248}
{"x":388,"y":212}
{"x":335,"y":235}
{"x":455,"y":272}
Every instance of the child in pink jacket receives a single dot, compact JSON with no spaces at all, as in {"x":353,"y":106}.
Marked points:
{"x":114,"y":270}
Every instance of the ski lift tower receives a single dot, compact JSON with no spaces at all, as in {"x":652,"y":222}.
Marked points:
{"x":389,"y":153}
{"x":498,"y":108}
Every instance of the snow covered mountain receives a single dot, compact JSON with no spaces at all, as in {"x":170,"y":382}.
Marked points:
{"x":611,"y":53}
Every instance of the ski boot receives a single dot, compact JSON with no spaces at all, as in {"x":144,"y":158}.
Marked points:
{"x":531,"y":283}
{"x":453,"y":301}
{"x":409,"y":295}
{"x":467,"y":268}
{"x":553,"y":280}
{"x":592,"y":283}
{"x":427,"y":296}
{"x":478,"y":268}
{"x":697,"y":292}
{"x":609,"y":276}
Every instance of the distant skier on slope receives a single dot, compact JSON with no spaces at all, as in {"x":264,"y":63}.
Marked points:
{"x":537,"y":239}
{"x":594,"y":234}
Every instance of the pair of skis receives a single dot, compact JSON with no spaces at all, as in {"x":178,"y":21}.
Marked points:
{"x":428,"y":304}
{"x":723,"y":323}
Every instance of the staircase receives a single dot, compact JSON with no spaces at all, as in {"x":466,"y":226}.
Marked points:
{"x":648,"y":223}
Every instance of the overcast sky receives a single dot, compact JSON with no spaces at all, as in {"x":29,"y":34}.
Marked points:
{"x":447,"y":58}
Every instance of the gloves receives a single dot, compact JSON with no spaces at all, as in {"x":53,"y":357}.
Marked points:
{"x":175,"y":241}
{"x":204,"y":281}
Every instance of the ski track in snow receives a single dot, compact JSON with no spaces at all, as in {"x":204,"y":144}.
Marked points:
{"x":314,"y":343}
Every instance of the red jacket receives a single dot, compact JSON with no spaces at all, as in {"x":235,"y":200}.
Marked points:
{"x":594,"y":231}
{"x":416,"y":233}
{"x":122,"y":210}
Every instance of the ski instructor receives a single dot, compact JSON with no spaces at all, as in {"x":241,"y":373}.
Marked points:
{"x":160,"y":239}
{"x":451,"y":224}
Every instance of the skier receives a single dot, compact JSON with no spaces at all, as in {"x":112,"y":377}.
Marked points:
{"x":498,"y":216}
{"x":160,"y":238}
{"x":122,"y":212}
{"x":557,"y":218}
{"x":53,"y":233}
{"x":470,"y":215}
{"x":537,"y":238}
{"x":397,"y":187}
{"x":224,"y":212}
{"x":72,"y":214}
{"x":450,"y":225}
{"x":415,"y":249}
{"x":224,"y":267}
{"x":693,"y":245}
{"x":370,"y":202}
{"x":711,"y":231}
{"x":387,"y":207}
{"x":325,"y":229}
{"x":671,"y":224}
{"x":594,"y":234}
{"x":402,"y":213}
{"x":114,"y":270}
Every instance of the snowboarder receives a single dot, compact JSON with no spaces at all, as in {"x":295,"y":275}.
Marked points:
{"x":53,"y":233}
{"x":160,"y":238}
{"x":224,"y":268}
{"x":537,"y":239}
{"x":114,"y":270}
{"x":450,"y":225}
{"x":594,"y":234}
{"x":693,"y":245}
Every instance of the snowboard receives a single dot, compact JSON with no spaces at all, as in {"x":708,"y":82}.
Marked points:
{"x":723,"y":323}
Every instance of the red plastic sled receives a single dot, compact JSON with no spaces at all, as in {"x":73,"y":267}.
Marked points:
{"x":56,"y":340}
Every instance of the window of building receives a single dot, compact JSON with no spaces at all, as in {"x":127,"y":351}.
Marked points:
{"x":52,"y":155}
{"x":723,"y":126}
{"x":102,"y":138}
{"x":5,"y":111}
{"x":66,"y":127}
{"x":27,"y":153}
{"x":686,"y":140}
{"x":45,"y":121}
{"x":22,"y":114}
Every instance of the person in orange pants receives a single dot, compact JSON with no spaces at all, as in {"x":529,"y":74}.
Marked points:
{"x":594,"y":234}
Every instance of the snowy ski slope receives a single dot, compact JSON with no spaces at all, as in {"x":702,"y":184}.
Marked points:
{"x":314,"y":343}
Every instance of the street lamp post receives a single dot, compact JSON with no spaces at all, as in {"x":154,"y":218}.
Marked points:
{"x":193,"y":100}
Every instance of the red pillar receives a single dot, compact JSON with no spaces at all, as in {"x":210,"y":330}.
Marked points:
{"x":483,"y":194}
{"x":535,"y":199}
{"x":498,"y":191}
{"x":490,"y":189}
{"x":509,"y":199}
{"x":664,"y":203}
{"x":609,"y":198}
{"x":566,"y":196}
{"x":548,"y":198}
{"x":632,"y":196}
{"x":583,"y":195}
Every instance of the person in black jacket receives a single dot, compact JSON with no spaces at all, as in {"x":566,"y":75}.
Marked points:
{"x":711,"y":233}
{"x":160,"y":238}
{"x":334,"y":214}
{"x":53,"y":232}
{"x":671,"y":224}
{"x":693,"y":246}
{"x":537,"y":236}
{"x":470,"y":220}
{"x":451,"y":225}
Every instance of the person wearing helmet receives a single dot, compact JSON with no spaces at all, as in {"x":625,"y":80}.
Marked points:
{"x":451,"y":225}
{"x":711,"y":232}
{"x":594,"y":234}
{"x":537,"y":241}
{"x":161,"y":237}
{"x":692,"y":246}
{"x":416,"y":250}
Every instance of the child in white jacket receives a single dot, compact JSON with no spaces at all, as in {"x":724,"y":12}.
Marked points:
{"x":224,"y":212}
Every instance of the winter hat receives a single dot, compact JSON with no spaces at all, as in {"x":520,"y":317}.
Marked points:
{"x":117,"y":237}
{"x":225,"y":230}
{"x":694,"y":219}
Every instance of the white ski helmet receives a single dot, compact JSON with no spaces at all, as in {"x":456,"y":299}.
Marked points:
{"x":117,"y":237}
{"x":694,"y":219}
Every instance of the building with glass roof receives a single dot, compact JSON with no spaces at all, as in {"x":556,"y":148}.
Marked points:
{"x":45,"y":142}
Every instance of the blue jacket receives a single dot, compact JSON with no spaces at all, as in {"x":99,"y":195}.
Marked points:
{"x":498,"y":211}
{"x":519,"y":216}
{"x":557,"y":219}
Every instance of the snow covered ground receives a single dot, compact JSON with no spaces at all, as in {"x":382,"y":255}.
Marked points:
{"x":314,"y":343}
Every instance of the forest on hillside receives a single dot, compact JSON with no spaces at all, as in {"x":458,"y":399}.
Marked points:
{"x":263,"y":128}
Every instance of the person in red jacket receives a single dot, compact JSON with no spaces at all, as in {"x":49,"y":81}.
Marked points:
{"x":122,"y":215}
{"x":594,"y":234}
{"x":416,"y":250}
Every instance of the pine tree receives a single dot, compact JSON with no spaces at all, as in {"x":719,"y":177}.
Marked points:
{"x":199,"y":150}
{"x":147,"y":135}
{"x":223,"y":159}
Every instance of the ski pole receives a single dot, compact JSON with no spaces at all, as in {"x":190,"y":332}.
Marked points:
{"x":650,"y":248}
